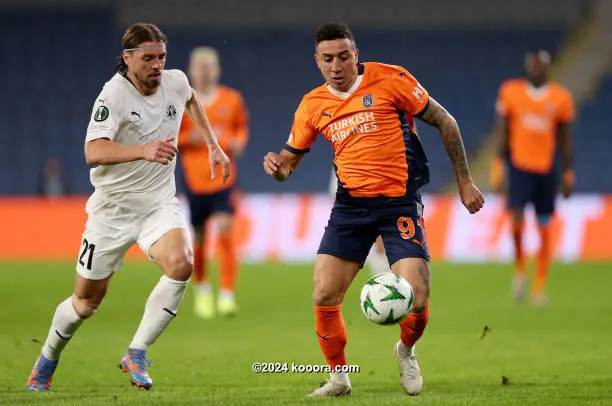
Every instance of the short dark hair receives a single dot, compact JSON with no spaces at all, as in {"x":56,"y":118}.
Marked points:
{"x":135,"y":35}
{"x":334,"y":30}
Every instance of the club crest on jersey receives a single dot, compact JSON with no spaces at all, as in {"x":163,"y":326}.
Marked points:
{"x":367,"y":100}
{"x":171,"y":112}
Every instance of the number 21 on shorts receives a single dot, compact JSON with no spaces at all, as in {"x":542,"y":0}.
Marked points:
{"x":85,"y":256}
{"x":407,"y":229}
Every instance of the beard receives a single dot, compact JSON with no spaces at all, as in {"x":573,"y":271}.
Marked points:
{"x":148,"y":82}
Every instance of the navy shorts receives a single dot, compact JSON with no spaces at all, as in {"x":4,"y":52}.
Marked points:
{"x":526,"y":187}
{"x":202,"y":206}
{"x":355,"y":223}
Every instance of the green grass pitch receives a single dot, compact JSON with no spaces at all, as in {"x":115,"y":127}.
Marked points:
{"x":560,"y":354}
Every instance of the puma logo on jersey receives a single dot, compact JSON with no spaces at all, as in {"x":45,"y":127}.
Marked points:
{"x":326,"y":114}
{"x":134,"y":113}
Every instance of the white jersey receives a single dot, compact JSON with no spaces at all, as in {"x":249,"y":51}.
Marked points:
{"x":125,"y":116}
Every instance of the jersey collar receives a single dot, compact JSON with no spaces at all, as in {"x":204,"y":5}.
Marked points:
{"x":537,"y":93}
{"x":344,"y":95}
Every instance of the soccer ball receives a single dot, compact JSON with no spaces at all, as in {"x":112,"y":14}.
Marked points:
{"x":386,"y":298}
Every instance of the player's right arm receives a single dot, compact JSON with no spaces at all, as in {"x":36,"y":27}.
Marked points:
{"x":106,"y":119}
{"x":103,"y":151}
{"x":280,"y":166}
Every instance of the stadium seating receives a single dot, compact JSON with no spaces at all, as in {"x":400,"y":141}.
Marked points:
{"x":47,"y":101}
{"x":593,"y":143}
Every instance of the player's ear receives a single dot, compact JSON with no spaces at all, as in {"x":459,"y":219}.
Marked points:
{"x":356,"y":55}
{"x":126,"y":57}
{"x":316,"y":57}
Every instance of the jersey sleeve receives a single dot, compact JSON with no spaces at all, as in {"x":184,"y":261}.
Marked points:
{"x":302,"y":134}
{"x":566,"y":110}
{"x":106,"y":116}
{"x":410,"y":96}
{"x":502,"y":106}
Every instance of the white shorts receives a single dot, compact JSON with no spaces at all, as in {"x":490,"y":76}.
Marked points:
{"x":111,"y":230}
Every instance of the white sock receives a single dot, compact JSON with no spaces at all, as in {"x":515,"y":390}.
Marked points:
{"x":159,"y":311}
{"x":65,"y":323}
{"x":341,"y":377}
{"x":226,"y":294}
{"x":404,"y":351}
{"x":377,"y":263}
{"x":203,"y":288}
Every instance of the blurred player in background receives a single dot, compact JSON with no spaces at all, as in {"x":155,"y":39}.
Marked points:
{"x":132,"y":139}
{"x":534,"y":119}
{"x":377,"y":260}
{"x":211,"y":198}
{"x":365,"y":110}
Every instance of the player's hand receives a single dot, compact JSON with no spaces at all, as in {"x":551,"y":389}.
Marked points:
{"x":567,"y":183}
{"x":272,"y":165}
{"x":160,"y":151}
{"x":471,"y":197}
{"x":216,"y":156}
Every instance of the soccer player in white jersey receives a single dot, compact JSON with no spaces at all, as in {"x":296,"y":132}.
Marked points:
{"x":132,"y":138}
{"x":377,"y":259}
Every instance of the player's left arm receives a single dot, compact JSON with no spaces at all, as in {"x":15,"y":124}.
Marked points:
{"x":565,"y":146}
{"x":241,"y":128}
{"x":194,"y":110}
{"x":566,"y":114}
{"x":437,"y":116}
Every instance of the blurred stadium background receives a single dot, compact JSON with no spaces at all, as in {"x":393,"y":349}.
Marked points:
{"x":57,"y":55}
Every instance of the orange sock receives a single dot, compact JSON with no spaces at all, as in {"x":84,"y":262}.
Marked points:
{"x":543,"y":259}
{"x":200,"y":275}
{"x":227,"y":261}
{"x":413,"y":326}
{"x":519,"y":257}
{"x":330,"y":328}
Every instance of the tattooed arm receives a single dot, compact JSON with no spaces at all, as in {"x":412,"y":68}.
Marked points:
{"x":437,"y":116}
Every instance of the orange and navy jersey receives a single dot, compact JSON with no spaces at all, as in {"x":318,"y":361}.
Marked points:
{"x":533,"y":116}
{"x":371,"y":128}
{"x":228,"y":117}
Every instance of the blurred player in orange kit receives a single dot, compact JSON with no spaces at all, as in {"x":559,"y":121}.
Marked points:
{"x":366,"y":111}
{"x":535,"y":116}
{"x":210,"y":198}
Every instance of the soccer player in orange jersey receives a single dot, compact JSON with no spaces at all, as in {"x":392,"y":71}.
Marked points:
{"x":210,"y":198}
{"x":366,"y":111}
{"x":534,"y":118}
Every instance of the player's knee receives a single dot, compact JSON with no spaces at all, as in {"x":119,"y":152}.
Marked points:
{"x":178,"y":266}
{"x":225,"y":223}
{"x":225,"y":228}
{"x":421,"y":297}
{"x":326,"y":296}
{"x":85,"y":307}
